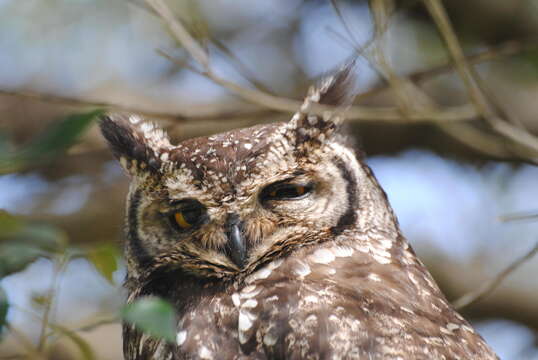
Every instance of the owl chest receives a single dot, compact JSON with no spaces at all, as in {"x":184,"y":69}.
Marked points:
{"x":272,"y":316}
{"x":242,"y":323}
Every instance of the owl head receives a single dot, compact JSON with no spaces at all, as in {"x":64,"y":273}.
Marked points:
{"x":220,"y":207}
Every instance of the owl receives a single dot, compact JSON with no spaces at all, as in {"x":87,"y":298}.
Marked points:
{"x":276,"y":242}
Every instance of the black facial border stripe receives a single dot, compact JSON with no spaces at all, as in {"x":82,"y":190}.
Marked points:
{"x":350,"y":215}
{"x":138,"y":250}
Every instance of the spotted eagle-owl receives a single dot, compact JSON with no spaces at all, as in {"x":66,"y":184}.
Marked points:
{"x":276,"y":242}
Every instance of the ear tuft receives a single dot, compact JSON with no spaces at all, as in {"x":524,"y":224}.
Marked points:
{"x":337,"y":89}
{"x":311,"y":130}
{"x":137,"y":144}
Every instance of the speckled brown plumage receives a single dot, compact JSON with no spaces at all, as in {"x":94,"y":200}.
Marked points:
{"x":324,"y":275}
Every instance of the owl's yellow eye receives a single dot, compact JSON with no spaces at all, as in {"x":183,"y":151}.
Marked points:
{"x":285,"y":191}
{"x":191,"y":215}
{"x":181,"y":221}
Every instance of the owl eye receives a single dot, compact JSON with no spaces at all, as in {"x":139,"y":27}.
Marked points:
{"x":285,"y":191}
{"x":188,"y":215}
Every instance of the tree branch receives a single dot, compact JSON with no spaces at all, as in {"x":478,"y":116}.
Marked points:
{"x":180,"y":33}
{"x":205,"y":112}
{"x":470,"y":79}
{"x":268,"y":103}
{"x":508,"y":48}
{"x":488,"y":287}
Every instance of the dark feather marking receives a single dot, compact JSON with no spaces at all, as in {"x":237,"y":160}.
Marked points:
{"x":350,"y":215}
{"x":138,"y":250}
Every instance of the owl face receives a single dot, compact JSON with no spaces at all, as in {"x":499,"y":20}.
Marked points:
{"x":225,"y":210}
{"x":222,"y":206}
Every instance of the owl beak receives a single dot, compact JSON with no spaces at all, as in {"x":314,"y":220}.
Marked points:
{"x":235,"y":248}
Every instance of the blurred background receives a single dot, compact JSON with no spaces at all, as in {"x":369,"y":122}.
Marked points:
{"x":458,"y":168}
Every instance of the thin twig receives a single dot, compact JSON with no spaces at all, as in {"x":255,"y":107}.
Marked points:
{"x":24,"y":341}
{"x":488,"y":287}
{"x":206,"y":112}
{"x":438,"y":13}
{"x":411,"y":98}
{"x":520,"y":216}
{"x":180,"y":33}
{"x":468,"y":75}
{"x":406,"y":100}
{"x":476,"y":139}
{"x":386,"y":114}
{"x":340,"y":14}
{"x":241,"y":67}
{"x":274,"y":103}
{"x":98,"y":323}
{"x":215,"y":112}
{"x":287,"y":105}
{"x":49,"y":305}
{"x":500,"y":51}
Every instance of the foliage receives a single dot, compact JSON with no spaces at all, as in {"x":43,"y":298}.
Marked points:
{"x":84,"y":348}
{"x":153,"y":316}
{"x":105,"y":260}
{"x":55,"y":140}
{"x":4,"y":305}
{"x":23,"y":241}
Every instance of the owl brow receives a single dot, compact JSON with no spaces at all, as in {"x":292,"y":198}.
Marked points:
{"x":160,"y":195}
{"x":292,"y":177}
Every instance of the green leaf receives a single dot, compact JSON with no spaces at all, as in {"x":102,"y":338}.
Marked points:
{"x":104,"y":259}
{"x":43,"y":236}
{"x":9,"y":224}
{"x":4,"y":143}
{"x":14,"y":257}
{"x":41,"y":300}
{"x":21,"y":243}
{"x":154,"y":316}
{"x":4,"y":306}
{"x":83,"y":346}
{"x":61,"y":135}
{"x":54,"y":140}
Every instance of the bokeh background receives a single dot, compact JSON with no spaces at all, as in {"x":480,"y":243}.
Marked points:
{"x":463,"y":188}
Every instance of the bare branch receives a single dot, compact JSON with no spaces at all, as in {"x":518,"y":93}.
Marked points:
{"x":214,"y":111}
{"x":469,"y":77}
{"x":287,"y":105}
{"x":411,"y":97}
{"x":505,"y":49}
{"x":408,"y":101}
{"x":180,"y":33}
{"x":488,"y":287}
{"x":52,"y":294}
{"x":98,"y":323}
{"x":387,"y":114}
{"x":239,"y":65}
{"x":478,"y":140}
{"x":25,"y":342}
{"x":265,"y":100}
{"x":218,"y":112}
{"x":519,"y":216}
